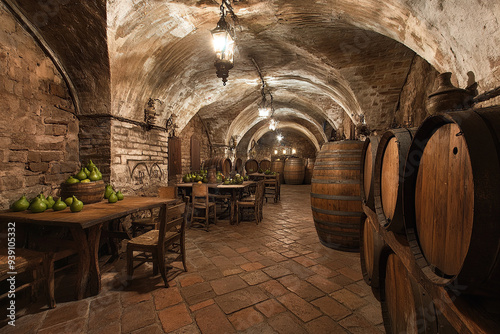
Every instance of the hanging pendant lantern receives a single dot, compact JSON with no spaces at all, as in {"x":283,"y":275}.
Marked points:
{"x":224,"y":47}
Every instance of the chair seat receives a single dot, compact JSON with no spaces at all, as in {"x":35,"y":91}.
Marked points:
{"x":202,"y":205}
{"x":25,"y":258}
{"x":144,"y":221}
{"x":250,"y":198}
{"x":150,"y":238}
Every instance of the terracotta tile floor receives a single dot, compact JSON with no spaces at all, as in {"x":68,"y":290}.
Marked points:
{"x":272,"y":278}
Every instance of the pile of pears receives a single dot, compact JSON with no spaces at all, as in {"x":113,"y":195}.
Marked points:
{"x":111,"y":195}
{"x":196,"y":176}
{"x":89,"y":173}
{"x":41,"y":203}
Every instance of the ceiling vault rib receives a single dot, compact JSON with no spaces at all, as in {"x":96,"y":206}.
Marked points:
{"x":32,"y":30}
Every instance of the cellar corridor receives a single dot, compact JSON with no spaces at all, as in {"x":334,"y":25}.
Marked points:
{"x":274,"y":277}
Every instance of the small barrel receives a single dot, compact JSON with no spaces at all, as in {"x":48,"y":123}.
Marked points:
{"x":264,"y":165}
{"x":238,"y":166}
{"x":251,"y":166}
{"x":294,"y":171}
{"x":335,"y":194}
{"x":221,"y":164}
{"x":309,"y":170}
{"x":451,"y":200}
{"x":388,"y":178}
{"x":371,"y":245}
{"x":88,"y":193}
{"x":278,"y":166}
{"x":368,"y":156}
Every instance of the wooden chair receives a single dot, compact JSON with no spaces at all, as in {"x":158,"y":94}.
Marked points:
{"x":39,"y":264}
{"x":271,"y":189}
{"x":144,"y":224}
{"x":253,"y":202}
{"x":200,"y":200}
{"x":153,"y":245}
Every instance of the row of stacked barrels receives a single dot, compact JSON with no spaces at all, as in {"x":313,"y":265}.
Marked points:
{"x":292,"y":170}
{"x":437,"y":187}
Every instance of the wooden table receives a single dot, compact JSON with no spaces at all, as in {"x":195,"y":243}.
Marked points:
{"x":85,"y":226}
{"x":234,"y":189}
{"x":260,"y":176}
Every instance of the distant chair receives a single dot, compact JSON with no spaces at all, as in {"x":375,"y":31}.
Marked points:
{"x":254,"y":202}
{"x":145,"y":224}
{"x":272,"y":188}
{"x":200,"y":201}
{"x":153,"y":245}
{"x":39,"y":264}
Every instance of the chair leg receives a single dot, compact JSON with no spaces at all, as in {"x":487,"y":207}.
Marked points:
{"x":130,"y":262}
{"x":237,"y":214}
{"x":160,"y":261}
{"x":49,"y":277}
{"x":256,"y":213}
{"x":215,"y":214}
{"x":183,"y":251}
{"x":207,"y":215}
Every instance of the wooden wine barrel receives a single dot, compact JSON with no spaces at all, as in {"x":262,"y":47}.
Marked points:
{"x":371,"y":246}
{"x":309,"y":171}
{"x":368,"y":156}
{"x":264,"y":165}
{"x":221,"y":164}
{"x":452,"y":200}
{"x":335,"y":197}
{"x":238,"y":166}
{"x":406,"y":307}
{"x":278,"y":166}
{"x":88,"y":193}
{"x":388,"y":178}
{"x":294,"y":171}
{"x":251,"y":166}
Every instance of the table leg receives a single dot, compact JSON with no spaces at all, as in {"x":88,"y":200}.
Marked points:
{"x":233,"y":205}
{"x":88,"y":275}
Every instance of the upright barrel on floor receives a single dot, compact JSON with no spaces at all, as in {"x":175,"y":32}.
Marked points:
{"x":368,"y":156}
{"x":335,"y":194}
{"x":221,"y":164}
{"x":309,"y":170}
{"x":294,"y":171}
{"x":388,"y":178}
{"x":278,"y":166}
{"x":451,"y":200}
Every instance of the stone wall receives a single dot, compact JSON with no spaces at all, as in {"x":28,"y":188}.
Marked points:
{"x":38,"y":129}
{"x":193,"y":128}
{"x":419,"y":84}
{"x":95,"y":143}
{"x":139,"y":158}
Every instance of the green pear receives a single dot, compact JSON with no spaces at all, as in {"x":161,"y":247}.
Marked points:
{"x":108,"y":191}
{"x":21,"y":204}
{"x":68,"y":201}
{"x":72,"y":180}
{"x":60,"y":205}
{"x":81,"y":175}
{"x":38,"y":205}
{"x":77,"y":205}
{"x":119,"y":195}
{"x":51,"y":201}
{"x":113,"y":198}
{"x":93,"y":175}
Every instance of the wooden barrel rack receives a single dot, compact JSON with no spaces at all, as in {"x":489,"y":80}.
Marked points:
{"x":457,"y":308}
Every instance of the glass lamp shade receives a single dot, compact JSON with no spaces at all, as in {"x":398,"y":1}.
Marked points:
{"x":272,"y":125}
{"x":263,"y":112}
{"x":223,"y":41}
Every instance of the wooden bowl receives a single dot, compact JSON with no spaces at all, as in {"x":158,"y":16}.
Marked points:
{"x":90,"y":192}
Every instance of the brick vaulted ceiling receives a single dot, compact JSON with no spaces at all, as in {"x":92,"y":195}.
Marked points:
{"x":322,"y":60}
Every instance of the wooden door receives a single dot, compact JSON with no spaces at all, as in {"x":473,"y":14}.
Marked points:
{"x":195,"y":154}
{"x":174,"y":157}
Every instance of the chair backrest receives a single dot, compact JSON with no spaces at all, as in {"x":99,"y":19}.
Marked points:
{"x":175,"y":221}
{"x":200,"y":192}
{"x":259,"y":193}
{"x":167,"y":192}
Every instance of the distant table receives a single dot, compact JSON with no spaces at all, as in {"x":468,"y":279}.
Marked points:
{"x":85,"y":226}
{"x":234,"y":189}
{"x":260,"y":176}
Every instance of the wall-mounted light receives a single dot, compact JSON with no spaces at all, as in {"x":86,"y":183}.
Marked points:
{"x":293,"y":151}
{"x":284,"y":151}
{"x":223,"y":41}
{"x":275,"y":151}
{"x":171,"y":126}
{"x":272,"y":124}
{"x":279,"y":137}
